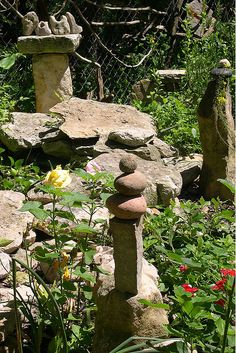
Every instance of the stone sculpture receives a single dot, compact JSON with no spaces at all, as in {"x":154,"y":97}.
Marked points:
{"x":29,"y":22}
{"x":120,"y":314}
{"x":74,"y":28}
{"x":59,"y":27}
{"x":43,"y":29}
{"x":216,"y":126}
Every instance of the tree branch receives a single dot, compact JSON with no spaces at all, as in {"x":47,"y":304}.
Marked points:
{"x":121,"y":23}
{"x":11,"y":7}
{"x":124,"y":8}
{"x":103,"y":45}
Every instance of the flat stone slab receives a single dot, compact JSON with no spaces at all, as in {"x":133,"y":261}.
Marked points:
{"x":48,"y":44}
{"x":133,"y":138}
{"x":171,"y":73}
{"x":26,"y":130}
{"x":90,"y":119}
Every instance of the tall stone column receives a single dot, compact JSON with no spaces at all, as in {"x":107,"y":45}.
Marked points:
{"x":216,"y":127}
{"x":120,"y":315}
{"x":51,"y":71}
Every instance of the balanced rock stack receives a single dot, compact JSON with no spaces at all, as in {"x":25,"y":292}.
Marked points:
{"x":128,"y":206}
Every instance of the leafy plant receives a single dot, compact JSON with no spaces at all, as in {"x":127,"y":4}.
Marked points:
{"x":193,"y":249}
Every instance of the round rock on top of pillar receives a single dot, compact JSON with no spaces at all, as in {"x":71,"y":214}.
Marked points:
{"x":128,"y":164}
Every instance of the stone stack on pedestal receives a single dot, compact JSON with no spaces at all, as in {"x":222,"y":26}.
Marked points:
{"x":120,"y":315}
{"x":217,"y":136}
{"x":50,"y":48}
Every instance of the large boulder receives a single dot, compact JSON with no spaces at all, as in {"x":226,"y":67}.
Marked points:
{"x":163,"y":183}
{"x":28,"y":130}
{"x":13,"y":223}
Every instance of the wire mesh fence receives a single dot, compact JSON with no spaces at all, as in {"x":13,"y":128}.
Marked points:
{"x":126,"y":35}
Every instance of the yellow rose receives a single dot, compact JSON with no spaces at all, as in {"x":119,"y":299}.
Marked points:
{"x":66,"y":274}
{"x":58,"y":178}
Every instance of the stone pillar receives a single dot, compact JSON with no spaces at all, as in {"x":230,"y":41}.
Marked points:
{"x":51,"y":71}
{"x":216,"y":127}
{"x":120,"y":315}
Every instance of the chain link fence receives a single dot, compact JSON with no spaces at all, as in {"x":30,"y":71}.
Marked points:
{"x":127,"y":36}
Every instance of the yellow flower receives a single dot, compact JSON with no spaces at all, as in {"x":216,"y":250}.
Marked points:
{"x":66,"y":274}
{"x":64,"y":259}
{"x":58,"y":178}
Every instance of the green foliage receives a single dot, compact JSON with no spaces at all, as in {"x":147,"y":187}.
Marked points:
{"x":16,"y":175}
{"x":190,"y":246}
{"x":175,"y":119}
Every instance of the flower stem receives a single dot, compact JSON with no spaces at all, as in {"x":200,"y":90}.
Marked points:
{"x":227,"y":318}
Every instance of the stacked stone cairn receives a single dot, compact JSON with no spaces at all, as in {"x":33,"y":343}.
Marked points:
{"x":128,"y":206}
{"x":120,"y":314}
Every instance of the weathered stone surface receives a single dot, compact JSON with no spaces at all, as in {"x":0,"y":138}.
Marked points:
{"x":91,"y":119}
{"x":74,"y":28}
{"x":29,"y":23}
{"x":52,"y":80}
{"x":189,"y":167}
{"x":5,"y":267}
{"x":13,"y":222}
{"x":130,"y":184}
{"x":126,"y":207}
{"x":48,"y":44}
{"x":43,"y":29}
{"x":60,"y":148}
{"x":164,"y":149}
{"x":134,"y":137}
{"x":128,"y":164}
{"x":216,"y":127}
{"x":142,"y":89}
{"x":195,"y":10}
{"x":128,"y":253}
{"x":28,"y":130}
{"x":61,"y":27}
{"x":120,"y":315}
{"x":149,"y":151}
{"x":7,"y":313}
{"x":163,"y":183}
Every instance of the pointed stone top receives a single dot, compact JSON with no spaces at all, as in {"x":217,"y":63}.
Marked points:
{"x":128,"y":164}
{"x":223,"y":69}
{"x":224,"y":63}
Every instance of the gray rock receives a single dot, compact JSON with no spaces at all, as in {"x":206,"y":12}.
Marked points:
{"x":13,"y":222}
{"x":43,"y":29}
{"x":60,"y":148}
{"x":28,"y":130}
{"x":74,"y":28}
{"x":5,"y":267}
{"x":142,"y":89}
{"x":195,"y":11}
{"x":49,"y":44}
{"x":29,"y":22}
{"x":164,"y":149}
{"x":190,"y":168}
{"x":59,"y":27}
{"x":87,"y":119}
{"x":164,"y":183}
{"x":149,"y":151}
{"x":133,"y":137}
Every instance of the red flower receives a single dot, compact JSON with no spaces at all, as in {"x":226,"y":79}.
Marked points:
{"x":228,"y":271}
{"x":220,"y":285}
{"x":183,"y":268}
{"x":188,"y":288}
{"x":220,"y":302}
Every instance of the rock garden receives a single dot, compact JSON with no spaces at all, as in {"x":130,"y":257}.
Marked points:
{"x":117,"y":220}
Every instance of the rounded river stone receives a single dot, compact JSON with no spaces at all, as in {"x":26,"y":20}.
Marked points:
{"x":126,"y":207}
{"x":128,"y":164}
{"x":130,"y":184}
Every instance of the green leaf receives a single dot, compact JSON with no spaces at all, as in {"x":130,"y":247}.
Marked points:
{"x":9,"y":61}
{"x":154,"y":305}
{"x":104,"y":196}
{"x":74,"y":198}
{"x":84,"y":228}
{"x":220,"y":325}
{"x":5,"y":242}
{"x":228,"y":184}
{"x":88,"y":256}
{"x":34,"y":207}
{"x":88,"y":292}
{"x":83,"y":273}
